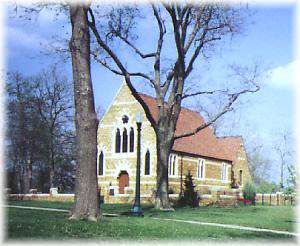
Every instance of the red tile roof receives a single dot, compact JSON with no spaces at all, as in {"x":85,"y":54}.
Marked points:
{"x":203,"y":143}
{"x":231,"y":145}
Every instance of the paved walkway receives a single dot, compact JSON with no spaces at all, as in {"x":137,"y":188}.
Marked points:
{"x":237,"y":227}
{"x":246,"y":228}
{"x":53,"y":209}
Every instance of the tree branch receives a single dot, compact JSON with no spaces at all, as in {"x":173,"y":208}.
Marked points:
{"x":156,"y":66}
{"x":179,"y":47}
{"x":135,"y":48}
{"x":102,"y":44}
{"x":196,"y":53}
{"x":228,"y":107}
{"x":201,"y":93}
{"x":185,"y":23}
{"x":135,"y":74}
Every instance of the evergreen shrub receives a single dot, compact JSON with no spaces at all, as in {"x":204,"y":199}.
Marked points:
{"x":249,"y":191}
{"x":190,"y":196}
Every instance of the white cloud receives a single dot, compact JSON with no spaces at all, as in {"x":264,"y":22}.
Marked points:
{"x":24,"y":38}
{"x":283,"y":76}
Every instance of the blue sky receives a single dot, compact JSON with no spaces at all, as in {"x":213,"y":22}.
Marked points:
{"x":270,"y":39}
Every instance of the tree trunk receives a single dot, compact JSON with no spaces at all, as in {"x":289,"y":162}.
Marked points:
{"x":30,"y":174}
{"x":86,"y":197}
{"x":51,"y":178}
{"x":164,"y":141}
{"x":52,"y":164}
{"x":162,"y":183}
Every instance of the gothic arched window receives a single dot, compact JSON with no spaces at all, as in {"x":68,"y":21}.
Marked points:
{"x":125,"y":141}
{"x":173,"y":168}
{"x":172,"y":165}
{"x":118,"y":141}
{"x":147,"y":163}
{"x":100,"y":163}
{"x":241,"y":177}
{"x":131,"y":139}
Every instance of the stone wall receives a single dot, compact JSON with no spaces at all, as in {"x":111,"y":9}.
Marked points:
{"x":41,"y":197}
{"x":125,"y":104}
{"x":241,"y":163}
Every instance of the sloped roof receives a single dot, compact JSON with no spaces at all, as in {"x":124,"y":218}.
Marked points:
{"x":203,"y":143}
{"x":231,"y":145}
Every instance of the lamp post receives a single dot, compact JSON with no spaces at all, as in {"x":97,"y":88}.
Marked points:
{"x":136,"y":209}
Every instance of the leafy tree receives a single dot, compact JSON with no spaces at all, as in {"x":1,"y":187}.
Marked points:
{"x":267,"y":187}
{"x":190,"y":196}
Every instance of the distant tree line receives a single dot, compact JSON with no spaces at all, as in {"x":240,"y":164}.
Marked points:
{"x":40,"y":138}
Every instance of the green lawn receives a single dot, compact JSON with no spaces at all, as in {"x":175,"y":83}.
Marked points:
{"x":36,"y":224}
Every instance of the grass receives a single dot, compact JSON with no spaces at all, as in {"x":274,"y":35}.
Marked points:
{"x":29,"y":224}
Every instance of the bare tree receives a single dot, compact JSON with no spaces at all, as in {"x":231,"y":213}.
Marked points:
{"x":259,"y":164}
{"x":24,"y":130}
{"x":193,"y":30}
{"x":54,"y":106}
{"x":86,"y":185}
{"x":40,"y":130}
{"x":284,"y":150}
{"x":291,"y":179}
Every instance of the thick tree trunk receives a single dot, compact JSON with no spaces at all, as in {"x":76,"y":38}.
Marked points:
{"x":162,"y":184}
{"x":164,"y":141}
{"x":86,"y":197}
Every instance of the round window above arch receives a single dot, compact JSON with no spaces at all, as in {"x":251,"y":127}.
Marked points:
{"x":125,"y":119}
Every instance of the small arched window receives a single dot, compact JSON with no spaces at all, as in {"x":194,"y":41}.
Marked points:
{"x":200,"y":169}
{"x":241,"y":177}
{"x":173,"y":168}
{"x":147,"y":163}
{"x":172,"y":165}
{"x":131,"y":139}
{"x":100,"y":163}
{"x":118,"y":141}
{"x":125,"y":141}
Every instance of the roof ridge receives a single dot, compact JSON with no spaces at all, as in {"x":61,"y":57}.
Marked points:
{"x":236,"y":136}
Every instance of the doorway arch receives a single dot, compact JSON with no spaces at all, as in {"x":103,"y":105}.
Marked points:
{"x":123,"y":181}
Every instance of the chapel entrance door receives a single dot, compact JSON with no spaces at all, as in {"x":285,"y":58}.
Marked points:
{"x":123,"y":181}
